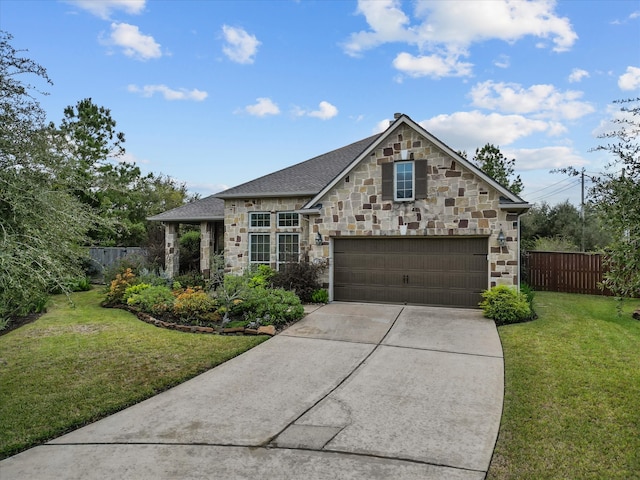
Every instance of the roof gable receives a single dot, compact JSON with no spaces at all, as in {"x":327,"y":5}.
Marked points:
{"x":507,"y":197}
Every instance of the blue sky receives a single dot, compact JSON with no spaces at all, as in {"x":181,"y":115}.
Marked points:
{"x":216,"y":93}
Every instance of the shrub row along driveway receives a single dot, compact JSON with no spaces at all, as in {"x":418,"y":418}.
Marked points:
{"x":352,"y":391}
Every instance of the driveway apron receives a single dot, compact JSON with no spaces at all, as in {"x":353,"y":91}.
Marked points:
{"x":352,"y":391}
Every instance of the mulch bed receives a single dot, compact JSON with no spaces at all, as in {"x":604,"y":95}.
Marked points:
{"x":17,"y":322}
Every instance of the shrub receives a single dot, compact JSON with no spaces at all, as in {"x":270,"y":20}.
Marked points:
{"x":134,"y":290}
{"x":505,"y":305}
{"x":268,"y":306}
{"x":156,"y":300}
{"x":194,"y":305}
{"x":119,"y":285}
{"x":134,"y":262}
{"x":301,"y":278}
{"x":190,"y":251}
{"x":82,"y":284}
{"x":191,"y":279}
{"x":261,"y":276}
{"x":320,"y":296}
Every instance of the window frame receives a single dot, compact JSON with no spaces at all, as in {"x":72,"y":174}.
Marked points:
{"x":413,"y":181}
{"x":264,"y":216}
{"x":279,"y":252}
{"x":252,"y":242}
{"x":289,"y":217}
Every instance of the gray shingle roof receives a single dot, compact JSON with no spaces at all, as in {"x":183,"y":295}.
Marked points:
{"x":208,"y":208}
{"x":303,"y":179}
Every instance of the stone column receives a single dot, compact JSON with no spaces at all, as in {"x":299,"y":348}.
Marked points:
{"x":206,"y":242}
{"x":172,"y":249}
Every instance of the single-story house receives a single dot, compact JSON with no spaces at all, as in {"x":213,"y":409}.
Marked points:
{"x":397,"y":217}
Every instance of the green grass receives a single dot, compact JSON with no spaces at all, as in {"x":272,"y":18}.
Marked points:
{"x":77,"y":364}
{"x":572,"y":392}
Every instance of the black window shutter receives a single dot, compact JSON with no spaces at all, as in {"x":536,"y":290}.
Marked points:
{"x":421,"y":179}
{"x":387,"y":181}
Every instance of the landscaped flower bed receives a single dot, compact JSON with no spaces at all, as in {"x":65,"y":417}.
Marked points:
{"x":229,"y":304}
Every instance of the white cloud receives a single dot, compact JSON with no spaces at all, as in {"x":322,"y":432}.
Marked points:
{"x":381,"y":126}
{"x":388,"y":24}
{"x":431,"y":66}
{"x":546,"y":158}
{"x":128,"y":157}
{"x":577,"y":74}
{"x":205,"y":189}
{"x":325,"y":111}
{"x":448,"y":29}
{"x":104,"y":8}
{"x":460,"y":23}
{"x":503,"y":61}
{"x":134,"y":43}
{"x":263,"y":107}
{"x":469,"y":130}
{"x":630,"y":80}
{"x":240,"y":47}
{"x":545,"y":101}
{"x":168,"y":93}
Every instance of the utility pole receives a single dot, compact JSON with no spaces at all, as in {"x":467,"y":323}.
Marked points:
{"x":582,"y":212}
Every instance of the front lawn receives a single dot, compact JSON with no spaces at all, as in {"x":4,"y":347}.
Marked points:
{"x":75,"y":365}
{"x":572,"y":392}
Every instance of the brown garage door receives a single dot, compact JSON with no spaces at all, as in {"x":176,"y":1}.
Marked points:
{"x":424,"y":271}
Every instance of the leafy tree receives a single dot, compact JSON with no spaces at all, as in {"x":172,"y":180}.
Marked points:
{"x":42,"y":223}
{"x":616,"y":194}
{"x":122,"y":195}
{"x":560,"y":227}
{"x":492,"y":162}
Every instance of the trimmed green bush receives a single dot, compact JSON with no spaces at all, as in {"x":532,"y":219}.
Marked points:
{"x":270,"y":306}
{"x":134,"y":290}
{"x":195,"y":305}
{"x":320,"y":296}
{"x":505,"y":305}
{"x":156,"y":300}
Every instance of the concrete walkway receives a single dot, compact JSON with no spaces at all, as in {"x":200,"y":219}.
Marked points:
{"x":353,"y":391}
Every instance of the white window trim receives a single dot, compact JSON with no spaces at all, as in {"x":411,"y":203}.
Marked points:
{"x":297,"y":218}
{"x":256,"y":262}
{"x":278,"y":263}
{"x":251,"y":214}
{"x":413,"y":181}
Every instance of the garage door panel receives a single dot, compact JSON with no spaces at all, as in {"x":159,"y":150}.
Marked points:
{"x":440,"y":271}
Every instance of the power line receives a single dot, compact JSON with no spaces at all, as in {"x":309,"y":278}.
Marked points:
{"x":574,"y":183}
{"x":549,"y":186}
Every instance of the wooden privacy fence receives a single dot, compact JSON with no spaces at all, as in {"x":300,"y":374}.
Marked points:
{"x":565,"y":272}
{"x":106,"y":256}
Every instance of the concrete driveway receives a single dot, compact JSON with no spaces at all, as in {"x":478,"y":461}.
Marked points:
{"x":353,"y":391}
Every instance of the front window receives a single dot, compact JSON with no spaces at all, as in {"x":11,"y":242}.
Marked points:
{"x":259,"y":248}
{"x":288,"y":219}
{"x":259,"y":219}
{"x":403,"y":181}
{"x":288,"y":248}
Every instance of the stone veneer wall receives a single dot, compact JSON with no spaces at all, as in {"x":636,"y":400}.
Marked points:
{"x":236,"y":220}
{"x":458,"y":204}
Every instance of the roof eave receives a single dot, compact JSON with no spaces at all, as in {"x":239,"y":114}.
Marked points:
{"x":157,"y":218}
{"x":521,"y":206}
{"x":230,"y":196}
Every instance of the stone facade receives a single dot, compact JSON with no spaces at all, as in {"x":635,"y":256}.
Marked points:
{"x":458,"y":203}
{"x":237,"y":229}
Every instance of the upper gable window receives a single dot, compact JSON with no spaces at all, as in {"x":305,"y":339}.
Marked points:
{"x":288,"y":219}
{"x":404,"y":185}
{"x":259,"y":219}
{"x":404,"y":181}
